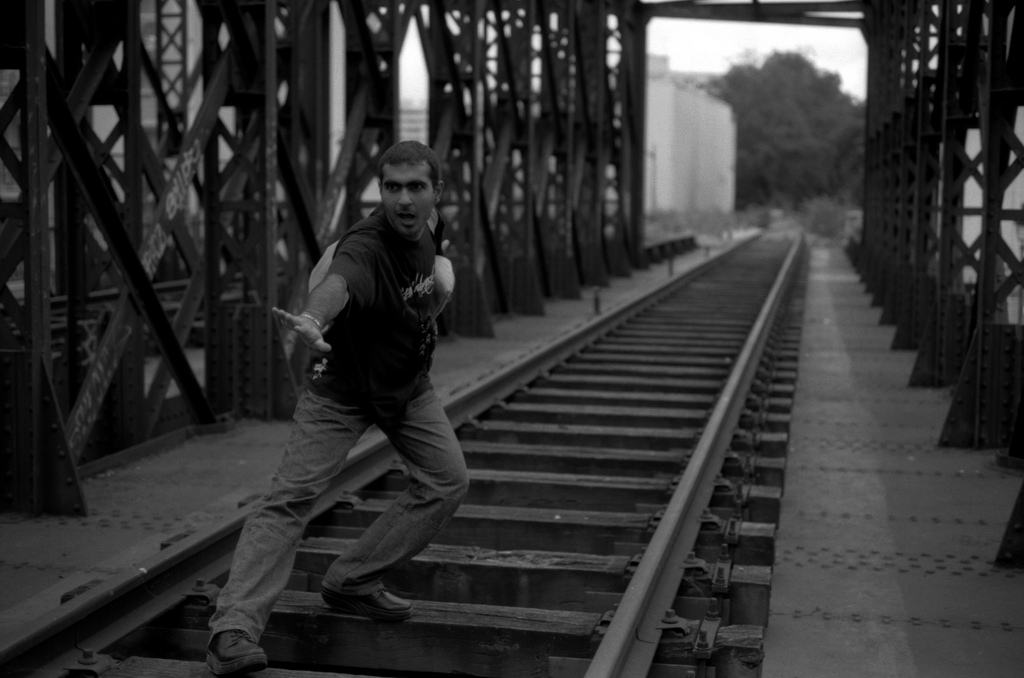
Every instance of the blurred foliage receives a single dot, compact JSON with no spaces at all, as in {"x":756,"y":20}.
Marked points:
{"x":798,"y":136}
{"x":825,"y":216}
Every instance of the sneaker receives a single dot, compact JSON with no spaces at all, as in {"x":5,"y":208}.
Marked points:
{"x":379,"y":605}
{"x":233,"y":651}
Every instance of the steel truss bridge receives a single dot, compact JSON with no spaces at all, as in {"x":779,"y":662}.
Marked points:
{"x":134,"y":240}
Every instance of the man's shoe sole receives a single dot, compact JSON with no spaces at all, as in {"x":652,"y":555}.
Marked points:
{"x":349,"y":605}
{"x":256,"y":662}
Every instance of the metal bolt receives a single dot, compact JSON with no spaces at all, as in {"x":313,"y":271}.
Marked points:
{"x":88,"y":657}
{"x":702,"y":640}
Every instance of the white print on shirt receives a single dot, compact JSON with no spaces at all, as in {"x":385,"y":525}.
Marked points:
{"x":318,"y":369}
{"x":420,"y":285}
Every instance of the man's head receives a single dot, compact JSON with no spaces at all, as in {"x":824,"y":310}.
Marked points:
{"x":409,"y":175}
{"x":411,"y":153}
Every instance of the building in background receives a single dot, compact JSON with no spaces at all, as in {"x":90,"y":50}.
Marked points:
{"x":413,"y":121}
{"x":690,"y":164}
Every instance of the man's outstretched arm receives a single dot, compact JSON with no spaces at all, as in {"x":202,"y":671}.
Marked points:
{"x":325,"y":302}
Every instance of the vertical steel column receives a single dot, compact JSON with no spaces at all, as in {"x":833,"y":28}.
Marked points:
{"x":636,"y":52}
{"x":303,"y":149}
{"x":882,"y":225}
{"x":134,"y":253}
{"x":38,"y":473}
{"x":127,"y":420}
{"x":508,"y":200}
{"x":76,"y":253}
{"x":554,"y":175}
{"x":372,"y":44}
{"x":931,"y":93}
{"x":589,"y":157}
{"x":985,"y":398}
{"x":871,"y":234}
{"x":305,"y":113}
{"x":901,"y":297}
{"x":492,"y":143}
{"x":457,"y":129}
{"x":960,"y":170}
{"x":249,"y":374}
{"x":619,"y":134}
{"x":896,"y":228}
{"x":902,"y":154}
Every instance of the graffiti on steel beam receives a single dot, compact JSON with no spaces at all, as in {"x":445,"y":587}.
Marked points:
{"x":87,"y":406}
{"x":177,"y":194}
{"x":101,"y":372}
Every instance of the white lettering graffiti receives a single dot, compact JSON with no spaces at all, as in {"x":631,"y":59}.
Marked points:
{"x":183,"y":172}
{"x":177,"y":193}
{"x":83,"y":416}
{"x":420,"y":285}
{"x":156,"y":242}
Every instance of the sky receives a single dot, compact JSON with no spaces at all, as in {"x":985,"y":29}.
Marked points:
{"x":713,"y":46}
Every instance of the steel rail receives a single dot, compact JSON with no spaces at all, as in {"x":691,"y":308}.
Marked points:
{"x":102,"y":615}
{"x":630,"y":643}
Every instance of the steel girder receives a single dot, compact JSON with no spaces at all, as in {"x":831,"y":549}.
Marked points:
{"x":989,"y":385}
{"x":253,"y":260}
{"x":943,"y":344}
{"x":173,"y":233}
{"x":40,"y":473}
{"x":529,"y":150}
{"x":946,"y":80}
{"x":172,"y":67}
{"x":920,"y":164}
{"x":510,"y":155}
{"x":455,"y":33}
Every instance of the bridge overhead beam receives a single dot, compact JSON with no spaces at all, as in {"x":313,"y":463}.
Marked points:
{"x":830,"y":14}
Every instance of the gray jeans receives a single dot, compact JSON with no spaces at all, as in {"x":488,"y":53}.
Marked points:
{"x":323,"y":432}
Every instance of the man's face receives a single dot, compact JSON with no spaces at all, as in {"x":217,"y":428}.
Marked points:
{"x":409,"y":197}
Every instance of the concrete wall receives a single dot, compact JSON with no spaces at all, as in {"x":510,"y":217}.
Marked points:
{"x":690,"y":164}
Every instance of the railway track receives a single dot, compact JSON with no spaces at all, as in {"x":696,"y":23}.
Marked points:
{"x":623,"y":499}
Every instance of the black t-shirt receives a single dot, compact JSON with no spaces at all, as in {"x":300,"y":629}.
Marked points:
{"x":383,"y":341}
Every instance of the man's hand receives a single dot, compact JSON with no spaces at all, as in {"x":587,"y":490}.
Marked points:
{"x":305,"y":327}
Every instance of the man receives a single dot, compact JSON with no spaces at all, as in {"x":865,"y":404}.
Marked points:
{"x":371,"y":326}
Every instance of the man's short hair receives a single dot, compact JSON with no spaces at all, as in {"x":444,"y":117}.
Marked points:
{"x":411,"y":153}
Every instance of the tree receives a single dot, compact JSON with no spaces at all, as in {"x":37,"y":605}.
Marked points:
{"x":798,"y":136}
